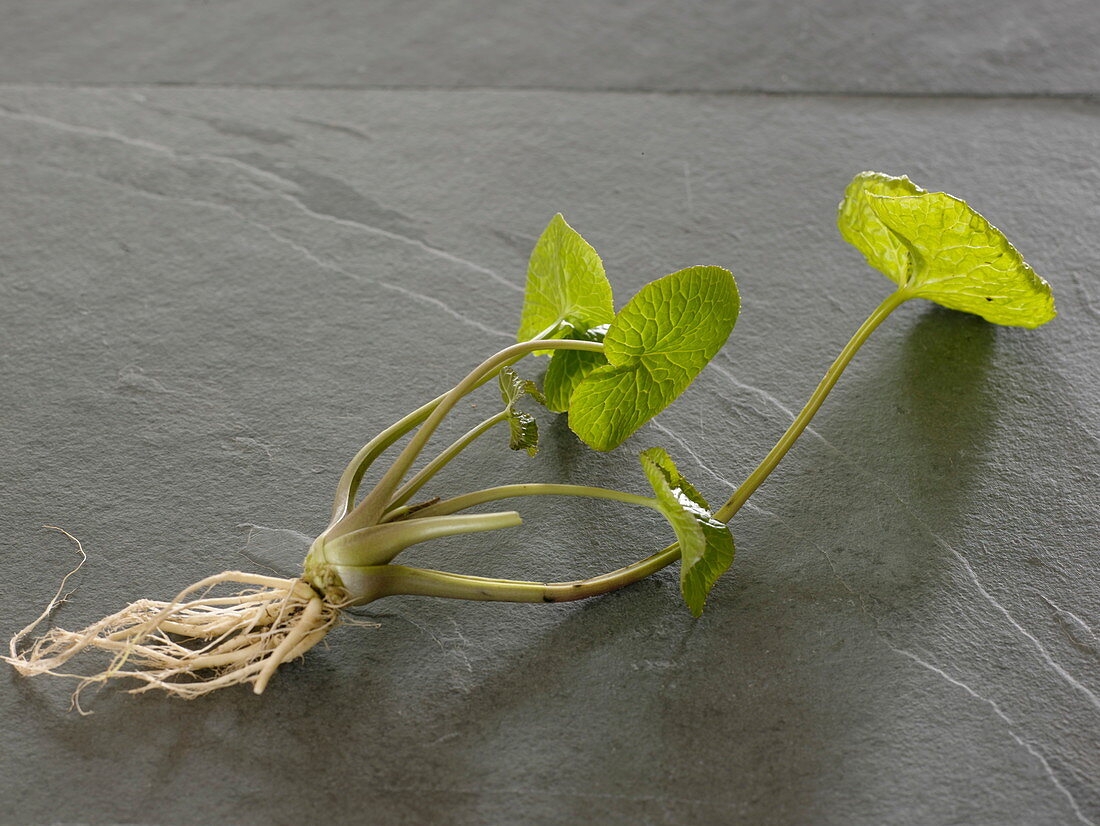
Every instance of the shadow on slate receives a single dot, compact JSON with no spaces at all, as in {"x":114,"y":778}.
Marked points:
{"x":949,"y":403}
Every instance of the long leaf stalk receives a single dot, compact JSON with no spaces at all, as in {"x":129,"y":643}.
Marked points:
{"x":353,"y":474}
{"x":370,"y":582}
{"x":370,"y":510}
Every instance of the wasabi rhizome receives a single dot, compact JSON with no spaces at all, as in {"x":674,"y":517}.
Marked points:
{"x":610,"y":372}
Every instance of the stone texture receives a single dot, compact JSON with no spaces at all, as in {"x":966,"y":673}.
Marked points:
{"x":210,"y":298}
{"x":953,"y":46}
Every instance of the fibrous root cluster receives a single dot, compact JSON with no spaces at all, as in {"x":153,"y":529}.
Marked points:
{"x":196,"y":643}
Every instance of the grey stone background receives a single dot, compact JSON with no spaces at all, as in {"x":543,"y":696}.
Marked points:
{"x":239,"y":238}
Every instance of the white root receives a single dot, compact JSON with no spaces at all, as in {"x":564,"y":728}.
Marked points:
{"x":189,"y":647}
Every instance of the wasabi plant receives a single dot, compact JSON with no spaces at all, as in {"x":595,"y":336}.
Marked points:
{"x":610,"y":372}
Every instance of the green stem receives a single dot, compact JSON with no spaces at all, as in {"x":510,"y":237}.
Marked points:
{"x":767,"y":465}
{"x":375,"y":582}
{"x":370,"y":510}
{"x":401,"y":580}
{"x":478,"y":497}
{"x":439,"y":462}
{"x":357,"y":467}
{"x":353,"y":473}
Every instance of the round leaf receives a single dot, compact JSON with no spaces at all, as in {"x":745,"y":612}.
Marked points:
{"x":962,"y":261}
{"x":937,"y":247}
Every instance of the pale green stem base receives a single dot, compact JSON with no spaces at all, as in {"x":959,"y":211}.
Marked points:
{"x":378,"y":544}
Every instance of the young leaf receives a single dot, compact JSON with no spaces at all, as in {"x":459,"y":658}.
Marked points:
{"x":706,"y":545}
{"x":939,"y":248}
{"x":522,"y":427}
{"x":523,"y":432}
{"x":655,"y":347}
{"x":568,"y":367}
{"x":513,"y":388}
{"x":565,"y":284}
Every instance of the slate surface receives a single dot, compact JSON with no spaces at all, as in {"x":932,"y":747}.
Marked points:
{"x":210,"y":297}
{"x":1007,"y":46}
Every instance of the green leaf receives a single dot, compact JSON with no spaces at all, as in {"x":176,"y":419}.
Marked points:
{"x":524,"y":432}
{"x":861,"y":227}
{"x":565,"y":284}
{"x":655,"y":348}
{"x":963,"y":262}
{"x":937,"y":247}
{"x":706,"y":545}
{"x":522,"y":427}
{"x":513,"y":388}
{"x":568,"y":367}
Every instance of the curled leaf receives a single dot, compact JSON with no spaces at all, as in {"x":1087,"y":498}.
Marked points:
{"x":523,"y":432}
{"x":513,"y":388}
{"x":706,"y":545}
{"x":522,"y":427}
{"x":861,"y":227}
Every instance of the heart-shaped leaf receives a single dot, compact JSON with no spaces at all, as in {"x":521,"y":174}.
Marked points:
{"x":655,"y":347}
{"x":962,"y":261}
{"x":706,"y":545}
{"x":566,"y":284}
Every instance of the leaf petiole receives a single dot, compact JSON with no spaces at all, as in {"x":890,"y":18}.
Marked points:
{"x":369,"y":583}
{"x":353,"y":474}
{"x":436,"y":583}
{"x":357,"y":467}
{"x":479,"y":497}
{"x":768,"y":463}
{"x":370,"y":510}
{"x":433,"y":467}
